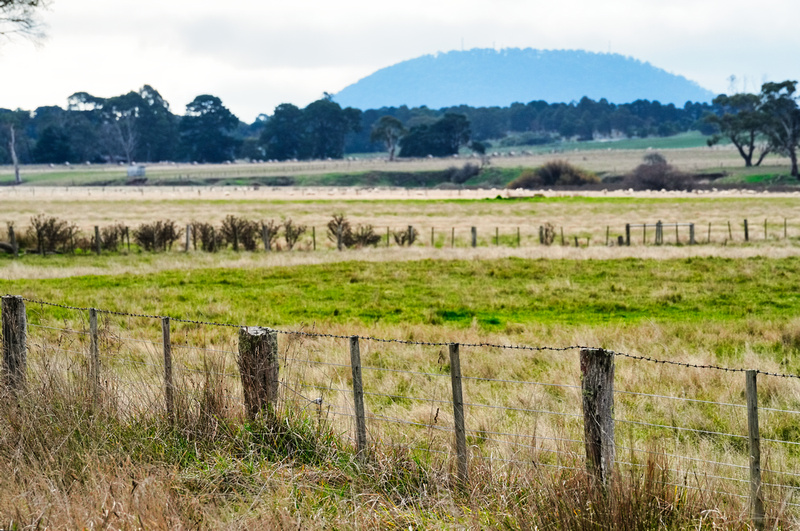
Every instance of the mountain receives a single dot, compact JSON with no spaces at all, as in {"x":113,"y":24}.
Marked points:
{"x":487,"y":77}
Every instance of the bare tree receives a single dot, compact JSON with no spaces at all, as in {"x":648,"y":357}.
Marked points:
{"x":21,"y":17}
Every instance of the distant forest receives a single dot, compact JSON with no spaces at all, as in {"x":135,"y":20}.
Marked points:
{"x":140,"y":126}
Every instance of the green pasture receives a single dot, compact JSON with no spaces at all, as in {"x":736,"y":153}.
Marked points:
{"x":494,"y":295}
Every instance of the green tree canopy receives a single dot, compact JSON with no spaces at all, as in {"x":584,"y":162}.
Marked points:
{"x":779,"y":102}
{"x":743,"y":122}
{"x":388,"y":130}
{"x":206,"y":130}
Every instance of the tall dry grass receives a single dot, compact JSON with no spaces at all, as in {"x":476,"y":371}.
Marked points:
{"x":118,"y":462}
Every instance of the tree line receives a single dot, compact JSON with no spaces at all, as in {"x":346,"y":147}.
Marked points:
{"x":140,"y":126}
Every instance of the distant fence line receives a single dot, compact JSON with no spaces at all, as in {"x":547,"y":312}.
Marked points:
{"x":268,"y":377}
{"x":59,"y":236}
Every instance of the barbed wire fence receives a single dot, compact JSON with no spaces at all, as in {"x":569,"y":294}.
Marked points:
{"x":436,"y":401}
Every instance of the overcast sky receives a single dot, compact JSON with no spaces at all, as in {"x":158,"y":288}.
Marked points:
{"x":256,"y":54}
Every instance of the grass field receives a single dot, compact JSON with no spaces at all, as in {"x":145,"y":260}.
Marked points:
{"x":726,"y":303}
{"x":686,"y":152}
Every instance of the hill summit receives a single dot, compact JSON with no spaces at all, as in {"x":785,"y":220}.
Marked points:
{"x":487,"y":77}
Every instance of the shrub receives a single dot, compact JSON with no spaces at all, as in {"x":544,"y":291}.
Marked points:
{"x":292,"y":233}
{"x":112,"y":237}
{"x":463,"y":174}
{"x":405,"y":237}
{"x":273,"y":230}
{"x":554,"y":173}
{"x":547,"y":234}
{"x":210,"y":239}
{"x":339,"y":225}
{"x":159,"y":235}
{"x":656,"y":174}
{"x":365,"y":235}
{"x":361,"y":236}
{"x":238,"y":231}
{"x":51,"y":233}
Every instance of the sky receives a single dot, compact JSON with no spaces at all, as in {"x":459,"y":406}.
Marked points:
{"x":257,"y":54}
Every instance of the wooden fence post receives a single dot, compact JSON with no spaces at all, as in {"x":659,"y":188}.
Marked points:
{"x":785,"y":229}
{"x":765,"y":229}
{"x":411,"y":236}
{"x":258,"y":367}
{"x":97,"y":239}
{"x":432,"y":242}
{"x":452,"y":237}
{"x":746,"y":232}
{"x":691,"y":234}
{"x":474,"y":236}
{"x":13,"y":240}
{"x":169,"y":396}
{"x":756,"y":496}
{"x":628,"y":234}
{"x":339,"y":237}
{"x":597,"y":386}
{"x":659,"y":233}
{"x":387,"y":236}
{"x":608,"y":233}
{"x":562,"y":236}
{"x":235,"y":237}
{"x":188,"y":236}
{"x":519,"y":244}
{"x":15,"y":342}
{"x":730,"y":231}
{"x":358,"y":399}
{"x":314,"y":238}
{"x":458,"y":415}
{"x":94,"y":353}
{"x":497,"y":236}
{"x":541,"y":235}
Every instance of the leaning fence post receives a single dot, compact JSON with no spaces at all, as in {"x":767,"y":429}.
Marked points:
{"x":258,"y":367}
{"x":458,"y":415}
{"x":15,"y":339}
{"x":474,"y":236}
{"x":597,"y":386}
{"x":358,"y":398}
{"x":94,"y":353}
{"x":168,"y":384}
{"x":756,"y":497}
{"x":13,"y":238}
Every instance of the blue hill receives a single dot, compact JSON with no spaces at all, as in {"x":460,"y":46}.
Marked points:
{"x":486,"y":77}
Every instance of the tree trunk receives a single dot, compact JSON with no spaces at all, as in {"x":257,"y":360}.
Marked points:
{"x":12,"y":145}
{"x":793,"y":158}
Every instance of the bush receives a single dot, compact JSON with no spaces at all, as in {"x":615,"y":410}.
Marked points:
{"x":365,"y":235}
{"x":463,"y":174}
{"x":210,"y":239}
{"x":51,"y":234}
{"x":656,"y":174}
{"x":112,"y":237}
{"x":405,"y":237}
{"x":273,"y":230}
{"x":554,"y":173}
{"x":157,"y":236}
{"x":292,"y":233}
{"x":362,"y":236}
{"x":239,"y":231}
